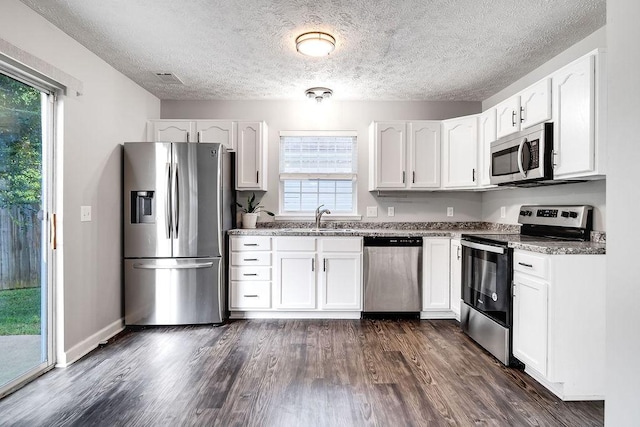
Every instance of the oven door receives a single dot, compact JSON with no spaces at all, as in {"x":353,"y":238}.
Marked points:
{"x":486,"y":279}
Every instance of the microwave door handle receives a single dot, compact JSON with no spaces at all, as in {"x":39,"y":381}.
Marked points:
{"x":520,"y":166}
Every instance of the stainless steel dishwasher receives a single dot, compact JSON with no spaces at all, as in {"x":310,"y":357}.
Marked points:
{"x":392,"y":274}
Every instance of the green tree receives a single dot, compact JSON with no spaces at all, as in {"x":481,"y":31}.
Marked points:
{"x":20,"y":145}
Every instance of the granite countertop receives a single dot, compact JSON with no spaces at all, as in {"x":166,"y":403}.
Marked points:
{"x":503,"y":232}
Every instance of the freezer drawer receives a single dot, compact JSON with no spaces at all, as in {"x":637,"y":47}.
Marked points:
{"x":173,"y":291}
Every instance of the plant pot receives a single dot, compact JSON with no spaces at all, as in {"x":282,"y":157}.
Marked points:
{"x":249,"y":220}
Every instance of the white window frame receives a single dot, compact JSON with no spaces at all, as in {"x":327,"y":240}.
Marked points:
{"x":287,"y":216}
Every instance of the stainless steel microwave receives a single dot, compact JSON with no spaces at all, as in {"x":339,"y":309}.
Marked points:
{"x":523,"y":158}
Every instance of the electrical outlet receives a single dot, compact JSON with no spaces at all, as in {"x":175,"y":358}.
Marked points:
{"x":85,"y":213}
{"x":503,"y":212}
{"x":450,"y":211}
{"x":372,"y":211}
{"x":391,"y":211}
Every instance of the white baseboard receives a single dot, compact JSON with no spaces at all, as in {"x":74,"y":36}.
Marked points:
{"x":72,"y":355}
{"x":444,"y":314}
{"x":558,"y":388}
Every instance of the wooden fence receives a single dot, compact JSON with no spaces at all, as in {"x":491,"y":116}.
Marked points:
{"x":19,"y":248}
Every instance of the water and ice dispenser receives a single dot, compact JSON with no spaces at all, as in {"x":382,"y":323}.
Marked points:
{"x":143,"y":207}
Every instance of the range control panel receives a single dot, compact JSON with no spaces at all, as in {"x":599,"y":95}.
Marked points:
{"x":565,"y":216}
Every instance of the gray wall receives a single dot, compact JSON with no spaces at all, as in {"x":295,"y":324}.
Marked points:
{"x":623,"y":234}
{"x":334,"y":115}
{"x":111,"y":110}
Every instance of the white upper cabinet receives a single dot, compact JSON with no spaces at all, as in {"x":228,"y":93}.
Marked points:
{"x":535,"y":104}
{"x":221,"y":131}
{"x":486,"y":135}
{"x":578,"y":116}
{"x":424,"y":154}
{"x":508,"y":117}
{"x":460,"y":152}
{"x":525,"y":109}
{"x":170,"y":130}
{"x":404,"y":155}
{"x":251,"y":159}
{"x":388,"y":155}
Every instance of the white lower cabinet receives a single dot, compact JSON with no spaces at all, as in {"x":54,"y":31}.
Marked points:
{"x":559,"y":321}
{"x":455,"y":277}
{"x":435,"y":274}
{"x":530,"y":321}
{"x":296,"y":280}
{"x":312,"y":277}
{"x":250,"y":273}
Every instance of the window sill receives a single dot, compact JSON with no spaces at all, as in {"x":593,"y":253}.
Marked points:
{"x":311,"y":217}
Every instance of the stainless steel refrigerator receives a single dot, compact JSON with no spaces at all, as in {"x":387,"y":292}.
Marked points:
{"x":178,"y":205}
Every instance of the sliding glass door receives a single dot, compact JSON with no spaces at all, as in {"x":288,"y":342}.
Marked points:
{"x":25,"y":295}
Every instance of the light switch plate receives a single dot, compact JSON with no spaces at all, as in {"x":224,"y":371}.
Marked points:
{"x":85,"y":213}
{"x":372,"y":211}
{"x":391,"y":211}
{"x":503,"y":212}
{"x":450,"y":211}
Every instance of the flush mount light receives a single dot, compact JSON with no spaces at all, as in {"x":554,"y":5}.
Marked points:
{"x":315,"y":44}
{"x":318,"y":93}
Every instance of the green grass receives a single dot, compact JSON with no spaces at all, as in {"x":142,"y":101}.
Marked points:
{"x":20,"y":311}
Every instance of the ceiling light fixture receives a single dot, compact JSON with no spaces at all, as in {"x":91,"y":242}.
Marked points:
{"x":315,"y":44}
{"x":319,"y":93}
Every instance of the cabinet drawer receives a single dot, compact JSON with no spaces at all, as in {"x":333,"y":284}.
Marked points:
{"x":251,"y":258}
{"x":249,"y":295}
{"x":250,"y":273}
{"x":250,"y":243}
{"x":296,"y":244}
{"x":341,"y":244}
{"x":530,"y":263}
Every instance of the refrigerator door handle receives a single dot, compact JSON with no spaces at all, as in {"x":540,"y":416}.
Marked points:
{"x":167,"y":203}
{"x":176,"y":200}
{"x":141,"y":266}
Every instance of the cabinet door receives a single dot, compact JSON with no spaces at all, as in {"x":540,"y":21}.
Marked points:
{"x":250,"y":165}
{"x":435,"y":274}
{"x":573,"y":117}
{"x":530,"y":321}
{"x":296,"y":280}
{"x":460,"y":140}
{"x":424,"y":154}
{"x":535,"y":104}
{"x":221,"y":131}
{"x":390,"y":155}
{"x":341,"y":281}
{"x":171,"y":131}
{"x":486,"y":135}
{"x":508,"y":117}
{"x":456,"y":277}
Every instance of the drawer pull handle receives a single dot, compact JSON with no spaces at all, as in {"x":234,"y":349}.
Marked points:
{"x":526,"y":265}
{"x":250,"y":296}
{"x":250,"y":244}
{"x":250,"y":274}
{"x":250,"y":259}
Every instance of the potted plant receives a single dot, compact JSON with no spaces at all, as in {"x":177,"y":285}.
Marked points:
{"x":251,"y":212}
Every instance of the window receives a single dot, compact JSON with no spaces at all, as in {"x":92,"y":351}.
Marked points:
{"x":318,"y":168}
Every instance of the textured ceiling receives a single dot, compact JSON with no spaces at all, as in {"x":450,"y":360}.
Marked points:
{"x":385,"y":49}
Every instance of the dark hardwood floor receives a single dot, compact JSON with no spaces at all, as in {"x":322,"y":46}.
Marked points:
{"x":293,"y":373}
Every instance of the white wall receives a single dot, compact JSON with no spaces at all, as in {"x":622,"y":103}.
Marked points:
{"x":335,"y":115}
{"x":112,"y":110}
{"x":623,"y":234}
{"x":585,"y":193}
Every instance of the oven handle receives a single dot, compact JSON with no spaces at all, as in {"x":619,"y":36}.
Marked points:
{"x":481,"y":247}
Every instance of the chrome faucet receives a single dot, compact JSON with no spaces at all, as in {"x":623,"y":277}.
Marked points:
{"x":319,"y":213}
